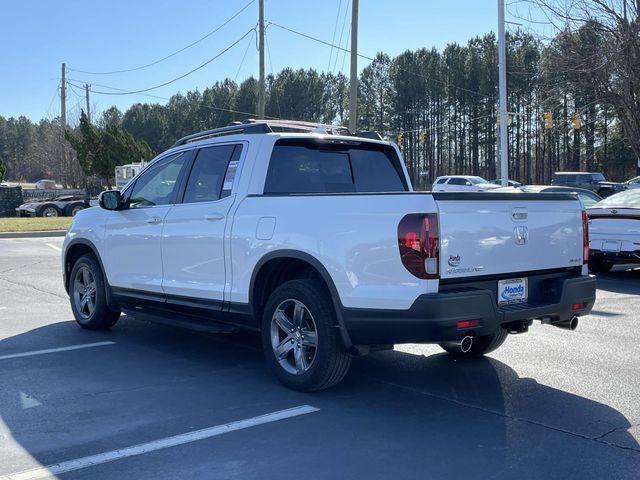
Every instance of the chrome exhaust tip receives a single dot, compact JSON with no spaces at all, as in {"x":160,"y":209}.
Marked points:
{"x":570,"y":324}
{"x":466,"y":343}
{"x":462,"y":346}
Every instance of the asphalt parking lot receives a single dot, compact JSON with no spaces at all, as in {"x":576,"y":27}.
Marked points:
{"x":147,"y":401}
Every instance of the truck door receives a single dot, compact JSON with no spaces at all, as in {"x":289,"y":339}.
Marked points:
{"x":193,"y":238}
{"x":132,"y":237}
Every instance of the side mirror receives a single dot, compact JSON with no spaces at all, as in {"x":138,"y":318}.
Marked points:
{"x":467,"y":183}
{"x":110,"y":200}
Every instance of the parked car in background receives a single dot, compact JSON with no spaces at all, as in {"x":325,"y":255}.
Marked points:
{"x":462,"y":183}
{"x":589,"y":181}
{"x":45,"y":185}
{"x":64,"y":206}
{"x":586,"y":197}
{"x":633,"y":183}
{"x":510,"y":183}
{"x":614,"y":231}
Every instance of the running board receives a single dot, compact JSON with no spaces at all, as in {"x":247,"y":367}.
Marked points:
{"x":183,"y":321}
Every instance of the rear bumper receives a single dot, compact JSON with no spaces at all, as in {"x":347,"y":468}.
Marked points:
{"x":615,"y":257}
{"x":434,"y":317}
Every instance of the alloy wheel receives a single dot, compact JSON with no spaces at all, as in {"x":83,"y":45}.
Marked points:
{"x":294,"y":336}
{"x":84,"y":292}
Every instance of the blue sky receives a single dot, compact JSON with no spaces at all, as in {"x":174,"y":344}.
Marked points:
{"x":117,"y":34}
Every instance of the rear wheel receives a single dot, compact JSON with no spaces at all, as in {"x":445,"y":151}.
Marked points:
{"x":481,"y":344}
{"x":50,"y":211}
{"x":75,"y":209}
{"x":87,"y":293}
{"x":301,"y":342}
{"x":600,"y":266}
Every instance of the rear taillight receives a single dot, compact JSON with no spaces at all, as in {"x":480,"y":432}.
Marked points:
{"x":585,"y":237}
{"x":418,"y":241}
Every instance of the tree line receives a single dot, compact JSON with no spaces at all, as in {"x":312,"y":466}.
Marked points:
{"x":573,"y":102}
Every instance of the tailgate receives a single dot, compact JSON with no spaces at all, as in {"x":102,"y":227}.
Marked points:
{"x":618,"y":227}
{"x":492,"y":234}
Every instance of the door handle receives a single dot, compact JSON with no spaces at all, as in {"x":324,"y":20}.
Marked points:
{"x":154,"y":220}
{"x":213,"y":217}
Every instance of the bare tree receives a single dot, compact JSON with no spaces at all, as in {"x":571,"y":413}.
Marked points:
{"x":600,"y":40}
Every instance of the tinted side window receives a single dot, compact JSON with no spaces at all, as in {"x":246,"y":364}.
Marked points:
{"x":441,"y":181}
{"x":208,"y":174}
{"x":312,"y":167}
{"x":583,"y":178}
{"x":457,"y":181}
{"x":159,"y":184}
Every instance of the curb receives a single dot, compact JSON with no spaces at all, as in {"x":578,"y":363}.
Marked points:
{"x":35,"y":234}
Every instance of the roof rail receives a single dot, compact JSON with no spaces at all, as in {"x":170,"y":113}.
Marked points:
{"x":228,"y":130}
{"x":252,"y":126}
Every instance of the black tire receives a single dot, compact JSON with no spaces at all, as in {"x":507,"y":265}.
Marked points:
{"x":331,"y":361}
{"x":481,"y":344}
{"x":600,"y":266}
{"x":71,"y":210}
{"x":101,"y":317}
{"x":49,"y":211}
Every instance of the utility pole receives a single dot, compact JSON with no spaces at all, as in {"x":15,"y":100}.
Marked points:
{"x":261,"y":89}
{"x":86,"y":98}
{"x":353,"y":76}
{"x":502,"y":82}
{"x":63,"y":96}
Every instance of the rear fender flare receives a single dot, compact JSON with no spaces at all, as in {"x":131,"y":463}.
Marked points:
{"x":315,"y":263}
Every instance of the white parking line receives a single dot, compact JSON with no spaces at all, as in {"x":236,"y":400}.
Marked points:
{"x":84,"y":462}
{"x":55,"y":247}
{"x":55,"y":350}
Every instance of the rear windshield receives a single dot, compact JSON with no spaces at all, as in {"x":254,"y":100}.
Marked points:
{"x":598,"y":177}
{"x":312,"y":166}
{"x":477,"y":180}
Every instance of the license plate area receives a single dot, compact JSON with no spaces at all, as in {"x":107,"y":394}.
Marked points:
{"x":512,"y":290}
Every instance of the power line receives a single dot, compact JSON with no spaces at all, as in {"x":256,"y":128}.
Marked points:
{"x":266,"y":42}
{"x":80,"y":83}
{"x":344,"y":55}
{"x":315,"y":39}
{"x":167,"y":99}
{"x":172,"y":54}
{"x":130,"y":92}
{"x":56,"y":93}
{"x":235,"y":79}
{"x":344,"y":21}
{"x":335,"y":29}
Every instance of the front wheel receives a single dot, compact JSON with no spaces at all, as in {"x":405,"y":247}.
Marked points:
{"x":87,"y":293}
{"x":300,"y":339}
{"x":481,"y":344}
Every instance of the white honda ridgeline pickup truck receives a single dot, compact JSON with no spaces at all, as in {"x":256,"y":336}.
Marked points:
{"x":314,"y":238}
